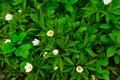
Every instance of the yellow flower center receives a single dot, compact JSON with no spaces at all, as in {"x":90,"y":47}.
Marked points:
{"x":29,"y":67}
{"x":51,"y":33}
{"x":79,"y":68}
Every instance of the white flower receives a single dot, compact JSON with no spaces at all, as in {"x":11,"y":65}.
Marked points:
{"x":106,"y":2}
{"x":19,"y":10}
{"x":45,"y":53}
{"x":55,"y":51}
{"x":28,"y":67}
{"x":56,"y":67}
{"x":79,"y":69}
{"x":8,"y":17}
{"x":93,"y":77}
{"x":50,"y":33}
{"x":7,"y":41}
{"x":35,"y":42}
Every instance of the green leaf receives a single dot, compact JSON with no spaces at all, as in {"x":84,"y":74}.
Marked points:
{"x":22,"y":53}
{"x":92,"y":38}
{"x":17,"y":2}
{"x":111,"y":51}
{"x":91,"y":68}
{"x":73,"y":77}
{"x":15,"y":37}
{"x":66,"y":39}
{"x":21,"y":37}
{"x":13,"y":61}
{"x":106,"y":39}
{"x":49,"y":47}
{"x":118,"y":78}
{"x":42,"y":21}
{"x":113,"y":36}
{"x":73,"y":50}
{"x":60,"y":63}
{"x":22,"y":65}
{"x":42,"y":73}
{"x":90,"y":62}
{"x":78,"y":36}
{"x":118,"y":39}
{"x":26,"y":46}
{"x":106,"y":75}
{"x":99,"y":68}
{"x":72,"y":44}
{"x":13,"y":78}
{"x":89,"y":11}
{"x":115,"y":11}
{"x":117,"y":59}
{"x":69,"y":8}
{"x":107,"y":18}
{"x":97,"y":17}
{"x":103,"y":62}
{"x":9,"y":47}
{"x":24,"y":4}
{"x":68,"y":69}
{"x":72,"y":1}
{"x":35,"y":19}
{"x":105,"y":26}
{"x":50,"y":13}
{"x":31,"y":76}
{"x":18,"y":38}
{"x":81,"y":29}
{"x":53,"y":76}
{"x":118,"y":52}
{"x":68,"y":60}
{"x":90,"y":52}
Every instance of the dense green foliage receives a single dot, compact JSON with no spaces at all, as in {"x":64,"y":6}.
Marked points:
{"x":86,"y":34}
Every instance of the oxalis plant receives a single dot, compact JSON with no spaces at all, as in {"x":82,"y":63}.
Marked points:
{"x":59,"y":39}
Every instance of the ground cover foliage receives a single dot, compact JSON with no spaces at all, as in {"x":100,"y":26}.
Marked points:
{"x":59,"y":40}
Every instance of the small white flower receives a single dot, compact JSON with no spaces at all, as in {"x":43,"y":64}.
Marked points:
{"x":55,"y":51}
{"x":35,"y":42}
{"x":93,"y":77}
{"x":106,"y":2}
{"x":45,"y":53}
{"x":50,"y":33}
{"x":7,"y":41}
{"x":19,"y":10}
{"x":79,"y":69}
{"x":28,"y":67}
{"x":56,"y":67}
{"x":8,"y":17}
